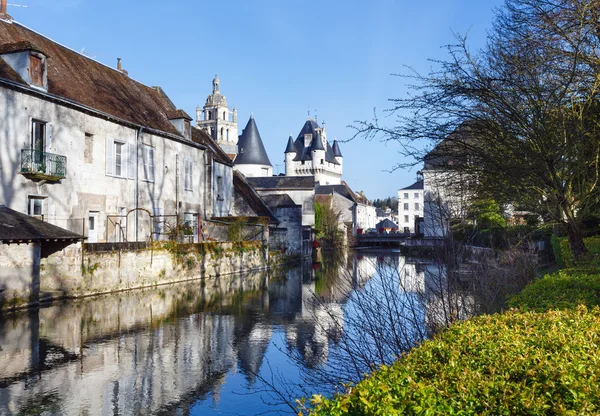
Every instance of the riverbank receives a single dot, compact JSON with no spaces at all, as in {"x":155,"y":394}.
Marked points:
{"x":538,"y":357}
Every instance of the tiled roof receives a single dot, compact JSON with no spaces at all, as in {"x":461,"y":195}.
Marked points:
{"x":283,"y":182}
{"x":305,"y":153}
{"x":279,"y":201}
{"x":416,"y":186}
{"x":254,"y":201}
{"x":84,"y":81}
{"x":251,"y":150}
{"x":18,"y":227}
{"x":201,"y":137}
{"x":386,"y":223}
{"x":343,"y":189}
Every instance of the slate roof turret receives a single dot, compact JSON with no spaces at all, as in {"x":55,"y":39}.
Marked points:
{"x":336,"y":149}
{"x":290,"y":146}
{"x":251,"y":150}
{"x":305,"y":152}
{"x":317,"y":143}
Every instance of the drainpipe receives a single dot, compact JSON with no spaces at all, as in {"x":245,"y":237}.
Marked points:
{"x":137,"y":184}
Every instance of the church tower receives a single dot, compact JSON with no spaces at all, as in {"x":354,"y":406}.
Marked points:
{"x":216,"y":119}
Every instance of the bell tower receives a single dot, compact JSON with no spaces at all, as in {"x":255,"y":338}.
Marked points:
{"x":216,"y":119}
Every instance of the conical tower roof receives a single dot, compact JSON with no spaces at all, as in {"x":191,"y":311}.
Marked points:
{"x":336,"y":149}
{"x":290,"y":146}
{"x":317,"y":143}
{"x":251,"y":150}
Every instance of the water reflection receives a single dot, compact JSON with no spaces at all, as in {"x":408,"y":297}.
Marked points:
{"x":200,"y":347}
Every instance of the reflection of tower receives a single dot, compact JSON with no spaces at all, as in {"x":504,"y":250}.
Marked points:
{"x":218,"y":121}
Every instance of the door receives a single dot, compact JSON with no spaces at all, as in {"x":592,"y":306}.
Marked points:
{"x":38,"y":134}
{"x":93,"y":227}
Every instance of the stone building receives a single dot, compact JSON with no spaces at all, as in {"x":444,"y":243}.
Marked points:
{"x":410,"y":205}
{"x":87,"y":148}
{"x":312,"y":155}
{"x":218,"y":121}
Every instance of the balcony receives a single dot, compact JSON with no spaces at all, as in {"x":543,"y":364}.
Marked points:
{"x":38,"y":165}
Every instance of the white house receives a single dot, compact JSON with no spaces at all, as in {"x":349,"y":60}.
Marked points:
{"x":86,"y":147}
{"x":447,"y":184}
{"x":410,"y":206}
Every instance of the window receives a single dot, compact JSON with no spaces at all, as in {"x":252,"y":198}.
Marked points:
{"x":187,"y":174}
{"x":406,"y":230}
{"x":36,"y":70}
{"x":264,"y":171}
{"x":416,"y":206}
{"x":406,"y":195}
{"x":303,"y":162}
{"x":321,"y":161}
{"x":221,"y":137}
{"x":406,"y":207}
{"x":35,"y":206}
{"x":223,"y":115}
{"x":416,"y":195}
{"x":148,"y":158}
{"x":227,"y":137}
{"x":120,"y":159}
{"x":88,"y":150}
{"x":220,"y":194}
{"x":406,"y":218}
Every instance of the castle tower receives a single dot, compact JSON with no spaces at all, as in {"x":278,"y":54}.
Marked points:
{"x":216,"y":119}
{"x":290,"y":154}
{"x":252,"y":159}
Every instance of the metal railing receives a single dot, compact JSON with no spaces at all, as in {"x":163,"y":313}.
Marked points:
{"x":43,"y":164}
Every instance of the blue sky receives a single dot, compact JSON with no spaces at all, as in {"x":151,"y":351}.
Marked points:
{"x":275,"y":59}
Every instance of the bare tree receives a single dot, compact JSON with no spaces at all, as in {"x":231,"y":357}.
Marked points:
{"x":527,"y":105}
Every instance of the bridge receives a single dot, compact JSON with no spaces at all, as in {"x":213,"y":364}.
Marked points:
{"x":377,"y":239}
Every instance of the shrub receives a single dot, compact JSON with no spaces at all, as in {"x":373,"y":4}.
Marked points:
{"x":514,"y":363}
{"x":562,"y":290}
{"x":564,"y":255}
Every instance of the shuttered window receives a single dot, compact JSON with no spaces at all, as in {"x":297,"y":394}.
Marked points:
{"x":36,"y":70}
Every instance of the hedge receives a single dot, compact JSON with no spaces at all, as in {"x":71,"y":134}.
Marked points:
{"x":564,"y":256}
{"x":564,"y":289}
{"x":522,"y":363}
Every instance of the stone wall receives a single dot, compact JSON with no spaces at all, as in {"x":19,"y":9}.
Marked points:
{"x":77,"y":271}
{"x":19,"y":276}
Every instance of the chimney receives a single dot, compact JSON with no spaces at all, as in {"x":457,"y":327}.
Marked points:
{"x":120,"y":68}
{"x":3,"y":13}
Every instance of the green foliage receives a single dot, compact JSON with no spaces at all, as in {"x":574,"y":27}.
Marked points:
{"x":514,"y":363}
{"x":564,"y":289}
{"x":327,"y":226}
{"x":564,"y":255}
{"x":487,"y":214}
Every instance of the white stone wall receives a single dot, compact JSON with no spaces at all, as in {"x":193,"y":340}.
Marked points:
{"x":304,"y":198}
{"x":366,"y":217}
{"x":255,"y":171}
{"x":446,"y":196}
{"x":87,"y":187}
{"x":222,"y":189}
{"x":406,"y":217}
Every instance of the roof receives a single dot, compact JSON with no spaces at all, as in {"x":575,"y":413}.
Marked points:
{"x":305,"y":152}
{"x":175,"y":114}
{"x":290,"y":146}
{"x":386,"y":223}
{"x":344,"y":190}
{"x":82,"y":80}
{"x":336,"y":149}
{"x":251,"y":150}
{"x":254,"y":201}
{"x":16,"y":227}
{"x":201,"y":137}
{"x":279,"y":201}
{"x":453,"y":151}
{"x":283,"y":182}
{"x":416,"y":186}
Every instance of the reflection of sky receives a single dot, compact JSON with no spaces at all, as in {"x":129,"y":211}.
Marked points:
{"x":203,"y":348}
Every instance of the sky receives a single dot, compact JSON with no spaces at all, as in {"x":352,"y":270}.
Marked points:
{"x":277,"y":60}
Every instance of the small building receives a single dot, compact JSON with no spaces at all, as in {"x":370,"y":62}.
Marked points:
{"x":386,"y":226}
{"x":355,"y":208}
{"x":411,"y":205}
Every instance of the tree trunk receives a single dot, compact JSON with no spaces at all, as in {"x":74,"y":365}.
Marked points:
{"x":580,"y":251}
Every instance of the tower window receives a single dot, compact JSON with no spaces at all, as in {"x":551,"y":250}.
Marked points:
{"x":321,"y":161}
{"x":223,"y":115}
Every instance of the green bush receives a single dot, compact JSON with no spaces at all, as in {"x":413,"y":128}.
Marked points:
{"x":564,"y":255}
{"x":516,"y":363}
{"x":561,"y":290}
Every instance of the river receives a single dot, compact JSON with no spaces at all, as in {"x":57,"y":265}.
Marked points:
{"x":240,"y":345}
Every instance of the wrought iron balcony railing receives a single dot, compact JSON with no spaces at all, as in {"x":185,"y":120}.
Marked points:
{"x":42,"y":165}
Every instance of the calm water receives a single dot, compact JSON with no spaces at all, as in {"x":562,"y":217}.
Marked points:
{"x":230,"y":346}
